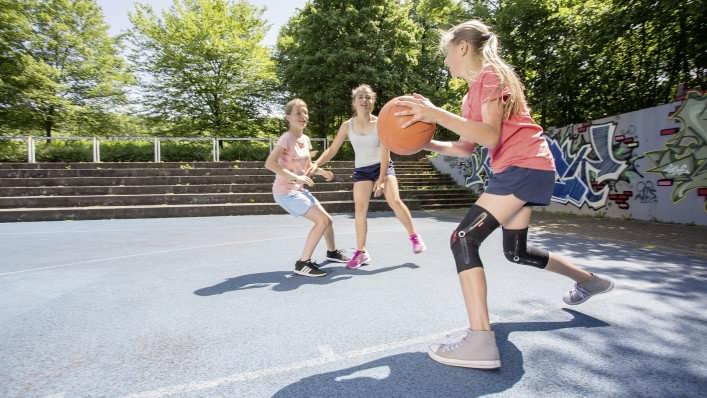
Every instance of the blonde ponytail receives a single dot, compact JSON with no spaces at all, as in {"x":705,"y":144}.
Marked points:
{"x":485,"y":42}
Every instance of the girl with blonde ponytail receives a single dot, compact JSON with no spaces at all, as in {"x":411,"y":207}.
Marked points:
{"x":495,"y":115}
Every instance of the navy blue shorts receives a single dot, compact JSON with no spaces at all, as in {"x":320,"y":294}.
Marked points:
{"x":535,"y":187}
{"x":372,"y":172}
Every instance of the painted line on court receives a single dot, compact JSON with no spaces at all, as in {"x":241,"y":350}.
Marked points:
{"x":290,"y":225}
{"x":327,"y":356}
{"x":98,"y":260}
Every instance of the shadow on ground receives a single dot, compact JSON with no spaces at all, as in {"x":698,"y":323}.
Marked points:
{"x":416,"y":375}
{"x":285,"y":281}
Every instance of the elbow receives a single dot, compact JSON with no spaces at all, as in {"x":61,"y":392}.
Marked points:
{"x":491,"y":143}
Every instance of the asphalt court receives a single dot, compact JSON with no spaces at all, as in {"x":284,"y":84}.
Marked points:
{"x":193,"y":307}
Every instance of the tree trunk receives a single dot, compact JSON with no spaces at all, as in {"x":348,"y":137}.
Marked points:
{"x":49,"y":123}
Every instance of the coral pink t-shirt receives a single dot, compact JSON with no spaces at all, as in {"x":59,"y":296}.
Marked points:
{"x":295,"y":157}
{"x":521,"y":143}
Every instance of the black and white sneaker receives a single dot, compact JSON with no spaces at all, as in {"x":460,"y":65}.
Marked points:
{"x":308,"y":268}
{"x":337,"y":256}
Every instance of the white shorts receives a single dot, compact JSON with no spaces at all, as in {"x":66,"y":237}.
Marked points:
{"x":296,"y":203}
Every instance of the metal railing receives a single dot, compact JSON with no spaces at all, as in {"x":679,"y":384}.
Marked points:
{"x":157,"y":144}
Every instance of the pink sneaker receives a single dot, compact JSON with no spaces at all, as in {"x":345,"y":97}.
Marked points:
{"x":358,"y":259}
{"x":418,"y":246}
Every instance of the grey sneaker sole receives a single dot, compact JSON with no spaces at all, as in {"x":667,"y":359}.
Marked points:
{"x":309,"y":275}
{"x":493,"y":364}
{"x":610,"y":288}
{"x":337,"y":260}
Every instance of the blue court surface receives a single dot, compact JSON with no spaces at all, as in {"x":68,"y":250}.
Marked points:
{"x":209,"y":307}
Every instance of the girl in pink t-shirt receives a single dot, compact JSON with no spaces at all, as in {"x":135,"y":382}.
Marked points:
{"x":290,"y":160}
{"x":495,"y":115}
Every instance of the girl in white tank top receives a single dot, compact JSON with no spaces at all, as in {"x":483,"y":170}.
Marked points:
{"x":368,"y":175}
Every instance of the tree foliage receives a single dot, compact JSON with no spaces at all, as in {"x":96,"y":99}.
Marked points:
{"x":332,"y":46}
{"x":58,"y":64}
{"x":579,"y":60}
{"x":202,"y":65}
{"x":582,"y":60}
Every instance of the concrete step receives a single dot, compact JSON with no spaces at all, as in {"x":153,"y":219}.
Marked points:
{"x":179,"y":165}
{"x":20,"y":202}
{"x":108,"y":212}
{"x":196,"y":189}
{"x":184,"y":180}
{"x":168,"y":199}
{"x":74,"y":191}
{"x":447,"y":204}
{"x":159,"y":189}
{"x":164,"y":172}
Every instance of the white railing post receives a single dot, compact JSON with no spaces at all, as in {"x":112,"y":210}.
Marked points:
{"x":217,"y":154}
{"x":96,"y":150}
{"x":31,"y":156}
{"x":158,"y":155}
{"x":270,"y":144}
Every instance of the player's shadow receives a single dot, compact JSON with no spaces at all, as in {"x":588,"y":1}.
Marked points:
{"x":414,"y":374}
{"x":284,"y":281}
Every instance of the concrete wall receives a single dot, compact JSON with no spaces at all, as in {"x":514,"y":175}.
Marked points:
{"x":647,"y":165}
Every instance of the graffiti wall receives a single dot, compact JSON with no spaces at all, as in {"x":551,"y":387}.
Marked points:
{"x":647,"y":165}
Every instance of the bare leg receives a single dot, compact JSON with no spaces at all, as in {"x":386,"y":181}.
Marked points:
{"x":362,"y":196}
{"x":557,"y":264}
{"x":392,"y":196}
{"x":473,"y":281}
{"x":563,"y":266}
{"x":329,"y":233}
{"x":322,"y":222}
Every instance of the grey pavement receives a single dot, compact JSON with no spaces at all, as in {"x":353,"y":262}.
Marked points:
{"x":209,"y":307}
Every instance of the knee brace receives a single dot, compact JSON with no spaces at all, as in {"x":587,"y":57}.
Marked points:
{"x":476,"y":226}
{"x":515,"y":248}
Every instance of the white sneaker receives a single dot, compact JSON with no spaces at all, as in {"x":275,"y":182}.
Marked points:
{"x":581,"y":292}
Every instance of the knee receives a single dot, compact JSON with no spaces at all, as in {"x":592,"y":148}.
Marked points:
{"x":516,"y":250}
{"x":360,"y":207}
{"x":325,"y":221}
{"x":466,"y":239}
{"x":395,"y":203}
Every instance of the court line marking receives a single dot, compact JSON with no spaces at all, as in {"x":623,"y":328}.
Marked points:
{"x":327,"y":356}
{"x":156,"y":229}
{"x":146,"y":229}
{"x":97,"y":260}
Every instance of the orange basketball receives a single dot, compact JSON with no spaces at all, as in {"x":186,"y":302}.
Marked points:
{"x":403,"y":141}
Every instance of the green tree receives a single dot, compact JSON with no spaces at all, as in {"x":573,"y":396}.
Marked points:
{"x":331,"y":46}
{"x":202,"y":65}
{"x":582,"y":60}
{"x":58,"y":60}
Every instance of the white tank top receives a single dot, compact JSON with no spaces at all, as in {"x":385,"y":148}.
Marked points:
{"x":367,"y":147}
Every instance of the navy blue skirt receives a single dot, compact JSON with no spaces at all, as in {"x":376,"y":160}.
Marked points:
{"x":372,"y":172}
{"x":533,"y":186}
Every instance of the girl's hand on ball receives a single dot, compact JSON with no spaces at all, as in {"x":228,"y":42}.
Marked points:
{"x":420,"y":108}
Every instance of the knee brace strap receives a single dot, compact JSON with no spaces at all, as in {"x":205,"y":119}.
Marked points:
{"x":476,"y":226}
{"x":515,"y":248}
